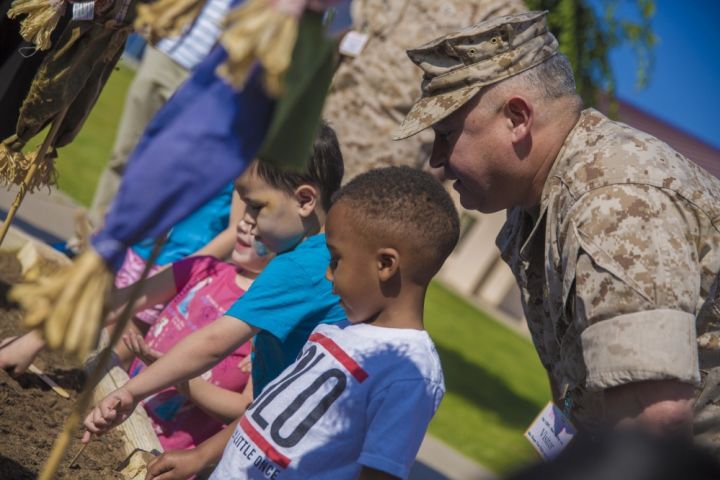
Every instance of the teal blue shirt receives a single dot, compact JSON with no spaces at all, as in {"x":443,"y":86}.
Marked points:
{"x":193,"y":232}
{"x":286,"y":302}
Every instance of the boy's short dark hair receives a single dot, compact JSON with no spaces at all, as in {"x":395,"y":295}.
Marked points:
{"x":408,"y":207}
{"x":324,"y":169}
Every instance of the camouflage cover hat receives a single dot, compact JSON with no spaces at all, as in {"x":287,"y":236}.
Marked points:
{"x":458,"y":65}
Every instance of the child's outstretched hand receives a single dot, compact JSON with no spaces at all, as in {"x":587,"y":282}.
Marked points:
{"x":17,"y":353}
{"x":136,"y":344}
{"x":175,"y":465}
{"x":109,"y":412}
{"x":245,"y":365}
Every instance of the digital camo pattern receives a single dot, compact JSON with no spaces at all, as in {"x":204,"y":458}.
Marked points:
{"x":619,"y":274}
{"x":372,"y":93}
{"x":456,"y":66}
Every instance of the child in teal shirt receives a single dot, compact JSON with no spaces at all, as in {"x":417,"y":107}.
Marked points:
{"x":287,"y":212}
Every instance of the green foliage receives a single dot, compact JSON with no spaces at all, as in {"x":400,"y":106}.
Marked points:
{"x":587,"y":38}
{"x":495,"y":383}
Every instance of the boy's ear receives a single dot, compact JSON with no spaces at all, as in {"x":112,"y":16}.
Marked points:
{"x":388,"y":263}
{"x":308,"y":197}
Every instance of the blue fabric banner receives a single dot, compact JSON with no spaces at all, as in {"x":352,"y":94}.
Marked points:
{"x":203,"y":138}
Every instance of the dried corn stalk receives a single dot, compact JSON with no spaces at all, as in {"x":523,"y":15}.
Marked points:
{"x":42,"y":18}
{"x":68,"y":306}
{"x":166,"y":18}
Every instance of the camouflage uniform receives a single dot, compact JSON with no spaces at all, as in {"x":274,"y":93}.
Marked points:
{"x":621,"y":260}
{"x":372,"y":92}
{"x":618,"y":266}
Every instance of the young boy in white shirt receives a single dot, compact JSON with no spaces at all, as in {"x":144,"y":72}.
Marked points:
{"x":358,"y":399}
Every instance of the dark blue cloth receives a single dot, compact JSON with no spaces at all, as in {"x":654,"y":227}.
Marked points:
{"x":203,"y":138}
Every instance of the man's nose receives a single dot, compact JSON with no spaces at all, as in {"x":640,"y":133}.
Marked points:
{"x":438,"y":156}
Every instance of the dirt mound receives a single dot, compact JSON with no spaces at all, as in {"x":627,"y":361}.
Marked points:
{"x":31,"y":415}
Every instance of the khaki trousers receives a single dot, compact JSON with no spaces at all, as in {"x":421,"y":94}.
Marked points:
{"x":157,"y":78}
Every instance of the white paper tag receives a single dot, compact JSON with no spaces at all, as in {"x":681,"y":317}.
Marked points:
{"x":353,"y":43}
{"x":550,"y":432}
{"x":83,"y":10}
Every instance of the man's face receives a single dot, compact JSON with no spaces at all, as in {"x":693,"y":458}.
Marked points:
{"x":352,"y":268}
{"x":272,"y":214}
{"x":473,"y":146}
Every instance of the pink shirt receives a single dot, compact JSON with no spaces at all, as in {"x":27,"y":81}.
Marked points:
{"x":206,"y":289}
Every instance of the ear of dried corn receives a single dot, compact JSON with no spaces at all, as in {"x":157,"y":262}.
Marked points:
{"x":14,"y":166}
{"x":166,"y":18}
{"x":257,"y":31}
{"x":77,"y":295}
{"x":41,"y":19}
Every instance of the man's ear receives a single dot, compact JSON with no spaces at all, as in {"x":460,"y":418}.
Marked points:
{"x":307,"y":197}
{"x":521,"y":114}
{"x":388,"y":263}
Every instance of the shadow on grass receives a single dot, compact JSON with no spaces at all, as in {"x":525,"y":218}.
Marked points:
{"x":483,"y":388}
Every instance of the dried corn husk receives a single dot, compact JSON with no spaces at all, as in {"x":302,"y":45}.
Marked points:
{"x":166,"y":18}
{"x":42,"y":18}
{"x":258,"y":30}
{"x":14,"y":166}
{"x":68,"y":306}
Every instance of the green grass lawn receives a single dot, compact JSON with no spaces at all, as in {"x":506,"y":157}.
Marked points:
{"x":80,"y":163}
{"x":495,"y":383}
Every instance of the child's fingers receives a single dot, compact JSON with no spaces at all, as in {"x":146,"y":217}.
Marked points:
{"x":128,"y":343}
{"x":137,"y":344}
{"x":245,"y":364}
{"x":90,"y":422}
{"x":99,"y":421}
{"x":158,"y":468}
{"x":86,"y":437}
{"x":108,"y":407}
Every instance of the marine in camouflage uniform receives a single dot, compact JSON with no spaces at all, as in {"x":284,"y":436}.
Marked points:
{"x":373,"y":91}
{"x":615,"y":271}
{"x":618,"y":264}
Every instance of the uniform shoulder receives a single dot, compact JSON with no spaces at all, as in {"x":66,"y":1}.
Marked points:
{"x":600,"y":152}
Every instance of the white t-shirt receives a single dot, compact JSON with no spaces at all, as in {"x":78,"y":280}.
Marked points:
{"x":357,"y":395}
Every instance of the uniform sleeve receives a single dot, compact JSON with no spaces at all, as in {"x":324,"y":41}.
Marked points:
{"x":636,"y":285}
{"x":398,"y":417}
{"x":279,"y":299}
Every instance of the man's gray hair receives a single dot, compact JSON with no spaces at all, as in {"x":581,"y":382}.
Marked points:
{"x":552,"y":79}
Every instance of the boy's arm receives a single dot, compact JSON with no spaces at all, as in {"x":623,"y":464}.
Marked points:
{"x":398,"y":415}
{"x":159,"y":288}
{"x":219,"y":402}
{"x":221,"y":246}
{"x":17,"y":354}
{"x":190,"y":357}
{"x":182,"y":464}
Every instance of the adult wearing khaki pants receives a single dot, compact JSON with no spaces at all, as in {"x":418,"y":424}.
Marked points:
{"x":162,"y":70}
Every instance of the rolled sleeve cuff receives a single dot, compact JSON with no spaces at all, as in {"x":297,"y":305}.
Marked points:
{"x":650,"y":345}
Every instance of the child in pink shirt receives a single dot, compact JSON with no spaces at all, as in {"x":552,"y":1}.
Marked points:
{"x":196,"y":291}
{"x":185,"y":416}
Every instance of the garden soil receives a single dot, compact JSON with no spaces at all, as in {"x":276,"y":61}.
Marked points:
{"x":31,"y":415}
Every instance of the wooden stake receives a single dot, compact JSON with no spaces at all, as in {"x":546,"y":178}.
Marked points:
{"x":77,"y":455}
{"x":83,"y":400}
{"x":49,"y":139}
{"x":82,"y":449}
